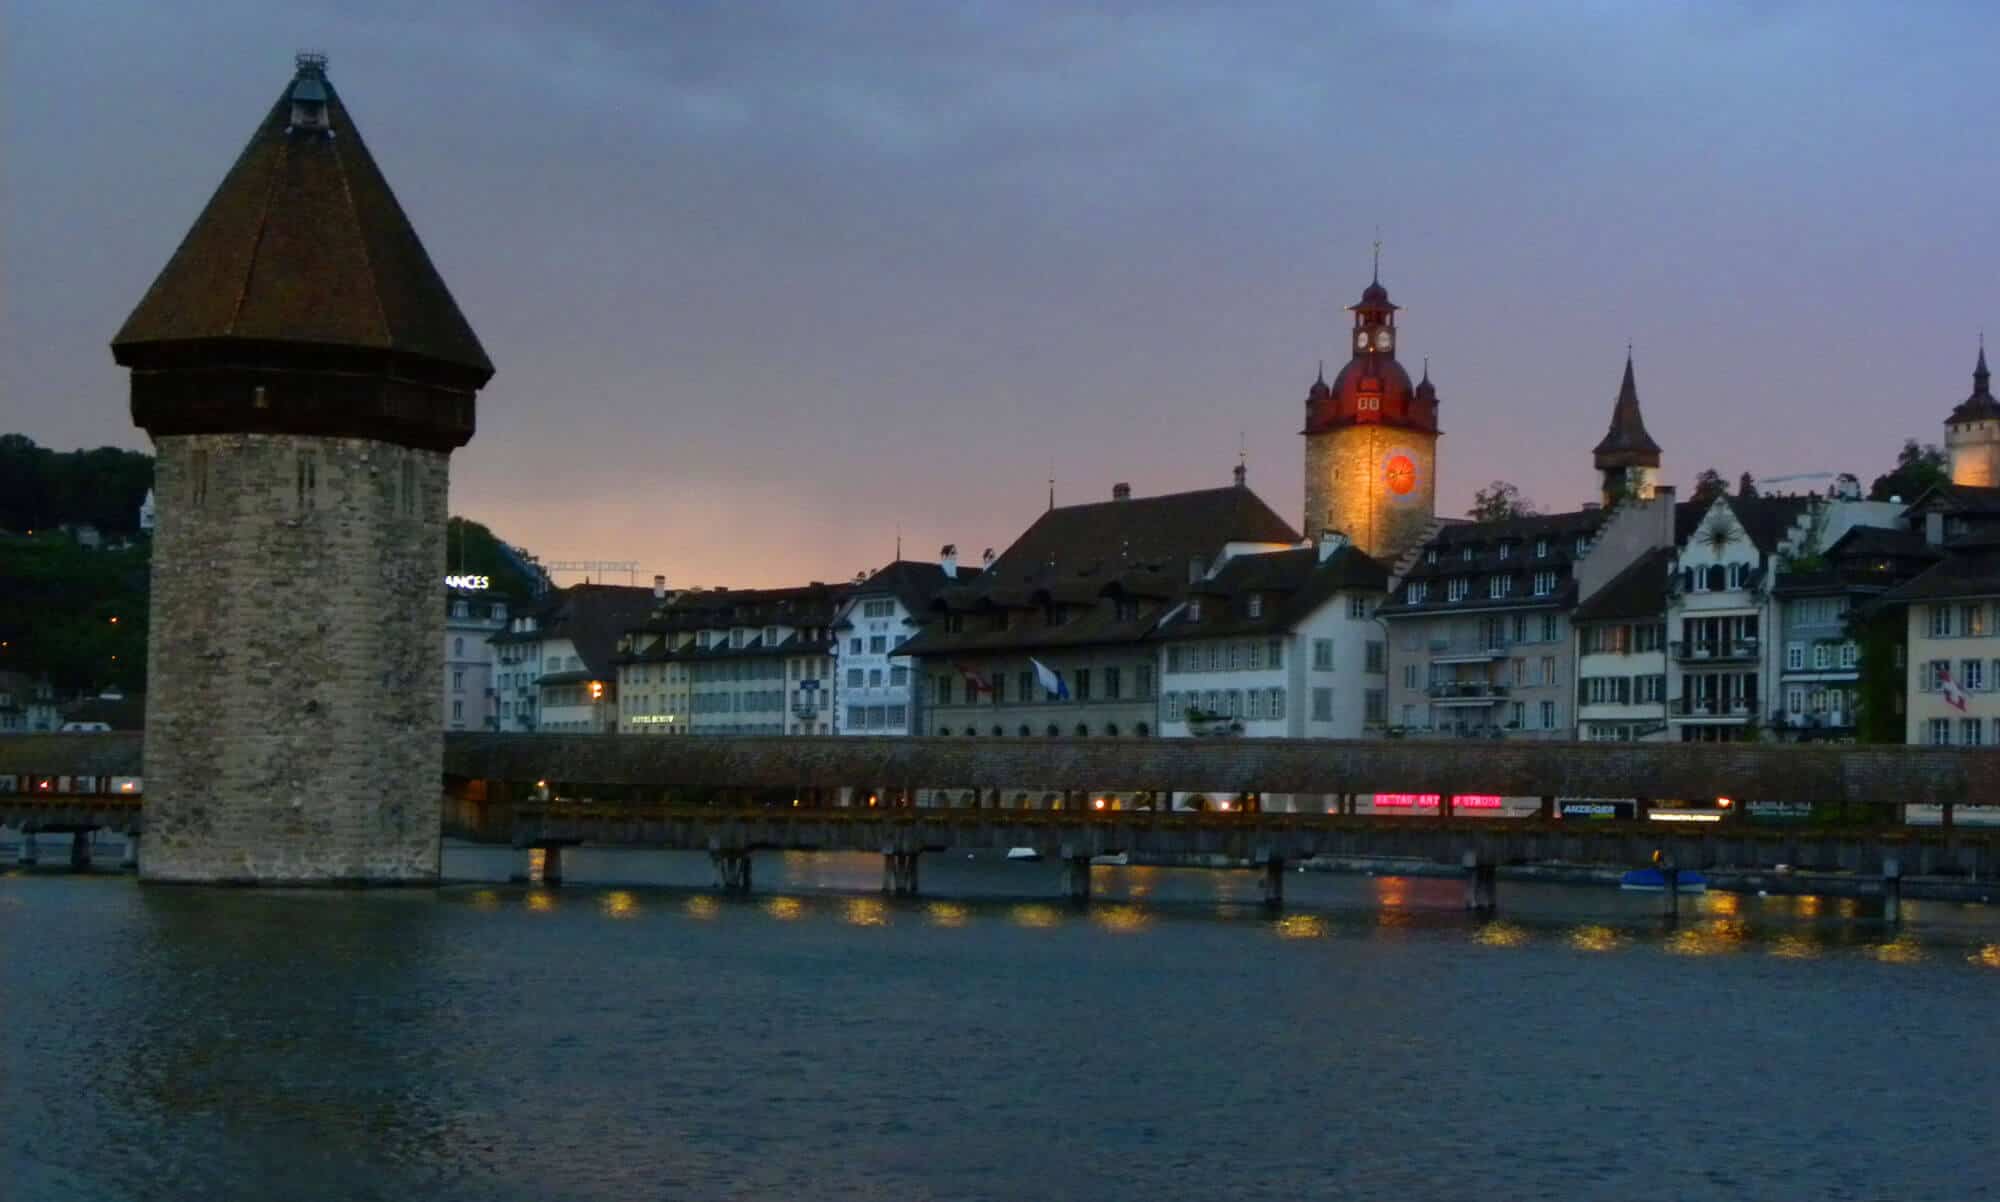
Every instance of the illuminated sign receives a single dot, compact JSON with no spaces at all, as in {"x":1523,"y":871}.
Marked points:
{"x":651,"y":719}
{"x":475,"y":583}
{"x":1597,"y":809}
{"x":1684,"y":816}
{"x":1429,"y":801}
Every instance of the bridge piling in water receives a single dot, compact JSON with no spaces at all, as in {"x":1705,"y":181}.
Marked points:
{"x":1892,"y":890}
{"x":1482,"y":883}
{"x":28,"y":854}
{"x":899,"y":872}
{"x":131,"y":860}
{"x":1670,"y":878}
{"x":552,"y":873}
{"x":79,"y":851}
{"x":1076,"y":878}
{"x":1274,"y":883}
{"x":732,"y":870}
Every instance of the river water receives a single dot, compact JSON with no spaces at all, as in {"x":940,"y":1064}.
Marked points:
{"x":640,"y":1038}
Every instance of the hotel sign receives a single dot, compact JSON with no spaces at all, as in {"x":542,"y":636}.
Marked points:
{"x":475,"y":583}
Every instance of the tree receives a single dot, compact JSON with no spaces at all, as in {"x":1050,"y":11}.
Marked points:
{"x":1918,"y":470}
{"x":1746,"y":485}
{"x":1499,"y":501}
{"x":1708,"y":486}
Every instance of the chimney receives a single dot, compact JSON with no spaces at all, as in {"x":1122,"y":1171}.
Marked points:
{"x":1242,"y":474}
{"x":1592,"y":506}
{"x":986,"y":558}
{"x":1330,"y":541}
{"x":948,"y":560}
{"x":1121,"y":492}
{"x":659,"y":588}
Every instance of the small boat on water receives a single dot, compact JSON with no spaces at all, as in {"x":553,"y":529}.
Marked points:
{"x":1116,"y":859}
{"x":1023,"y":854}
{"x":1650,"y":880}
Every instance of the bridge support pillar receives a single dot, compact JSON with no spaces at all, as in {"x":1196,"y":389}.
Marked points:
{"x":1274,"y":882}
{"x":1482,"y":883}
{"x":732,"y":870}
{"x":1076,"y":878}
{"x":899,"y":873}
{"x":552,"y":865}
{"x":1670,"y":894}
{"x":79,"y":851}
{"x":29,"y":854}
{"x":1892,"y":890}
{"x":131,"y":853}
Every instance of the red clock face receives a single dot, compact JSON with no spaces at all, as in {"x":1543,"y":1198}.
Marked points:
{"x":1400,"y":474}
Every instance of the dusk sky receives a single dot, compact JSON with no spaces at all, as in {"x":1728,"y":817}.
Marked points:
{"x":764,"y":281}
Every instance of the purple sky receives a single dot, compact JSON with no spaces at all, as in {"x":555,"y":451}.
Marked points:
{"x":763,"y":284}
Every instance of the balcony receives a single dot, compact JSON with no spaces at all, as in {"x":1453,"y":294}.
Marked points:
{"x":1715,"y":708}
{"x":1467,"y":651}
{"x":1465,"y":692}
{"x":1716,"y":651}
{"x":804,"y":710}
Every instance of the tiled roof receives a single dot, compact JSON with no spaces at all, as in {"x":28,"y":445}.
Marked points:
{"x":1290,"y":585}
{"x":1965,"y":574}
{"x":303,"y":242}
{"x":812,"y":606}
{"x":1519,"y":537}
{"x":592,"y":617}
{"x":1626,"y":443}
{"x":1767,"y":520}
{"x":915,"y":583}
{"x":1076,"y":556}
{"x":1640,"y":591}
{"x":1958,"y":498}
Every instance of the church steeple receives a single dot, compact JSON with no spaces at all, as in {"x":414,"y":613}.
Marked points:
{"x":1627,"y":457}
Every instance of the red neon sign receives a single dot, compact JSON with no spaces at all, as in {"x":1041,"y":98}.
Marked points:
{"x":1429,"y":801}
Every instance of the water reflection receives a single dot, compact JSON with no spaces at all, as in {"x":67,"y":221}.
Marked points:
{"x":1123,"y":919}
{"x":619,"y":903}
{"x":541,"y":901}
{"x":1709,"y":938}
{"x":785,"y":909}
{"x":1791,"y":946}
{"x":1035,"y":914}
{"x":702,"y":906}
{"x":485,"y":899}
{"x":1987,"y":956}
{"x":1724,"y":904}
{"x":1498,"y":933}
{"x":866,"y":912}
{"x":946,"y":914}
{"x":1903,"y":949}
{"x":1596,"y":937}
{"x":1301,"y":926}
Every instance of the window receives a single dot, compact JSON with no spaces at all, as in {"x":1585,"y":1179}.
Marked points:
{"x":1972,"y":620}
{"x":1939,"y":732}
{"x":1933,"y":675}
{"x":1377,"y":706}
{"x":1415,"y":591}
{"x":1274,"y":654}
{"x":458,"y":647}
{"x":1517,"y":715}
{"x":874,"y":678}
{"x":1111,"y":683}
{"x":1551,"y":628}
{"x":1968,"y":731}
{"x":944,"y":690}
{"x":1233,"y":655}
{"x":1582,"y":543}
{"x":1274,"y":702}
{"x":878,"y":644}
{"x":1322,"y":704}
{"x":1194,"y":610}
{"x":1940,"y":621}
{"x":1732,"y":575}
{"x":1173,"y":659}
{"x":1322,"y":655}
{"x":458,"y":682}
{"x":1431,"y":555}
{"x":1171,"y":704}
{"x":1357,"y":607}
{"x":1081,"y":689}
{"x":1256,"y":704}
{"x":899,"y":677}
{"x":1822,"y":657}
{"x":1545,"y":583}
{"x":770,"y":636}
{"x":458,"y":711}
{"x":1499,"y":586}
{"x":1972,"y":675}
{"x":854,"y":678}
{"x":1409,"y":676}
{"x":1212,"y":657}
{"x":1378,"y":658}
{"x":1457,"y":587}
{"x":1548,"y":675}
{"x":853,"y":645}
{"x":1143,"y":677}
{"x":1795,"y":700}
{"x":1504,"y":547}
{"x":1650,"y":689}
{"x":897,"y":715}
{"x":1850,"y":655}
{"x":999,"y":689}
{"x":1027,"y":683}
{"x":1256,"y":605}
{"x":1548,"y":715}
{"x":1467,"y":553}
{"x":1795,"y":656}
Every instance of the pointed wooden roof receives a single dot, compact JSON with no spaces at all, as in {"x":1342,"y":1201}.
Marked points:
{"x":1626,"y":443}
{"x":304,"y":244}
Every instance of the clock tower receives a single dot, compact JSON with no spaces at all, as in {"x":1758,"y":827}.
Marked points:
{"x":1371,"y":441}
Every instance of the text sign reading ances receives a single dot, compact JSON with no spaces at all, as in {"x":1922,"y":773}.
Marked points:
{"x":474,"y":583}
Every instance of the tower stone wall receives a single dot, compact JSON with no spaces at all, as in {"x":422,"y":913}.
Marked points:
{"x":1974,"y":451}
{"x":296,"y":659}
{"x":1348,"y":487}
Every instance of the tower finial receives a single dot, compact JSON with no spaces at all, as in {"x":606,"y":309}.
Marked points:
{"x":1981,"y":378}
{"x":1378,"y":255}
{"x":1322,"y":371}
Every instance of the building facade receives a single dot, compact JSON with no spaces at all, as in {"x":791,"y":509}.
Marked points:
{"x":1371,"y":441}
{"x":1621,"y":654}
{"x":305,"y":375}
{"x":1972,"y":432}
{"x":732,"y":662}
{"x":472,"y":616}
{"x":880,"y":690}
{"x":27,"y":705}
{"x":557,"y":663}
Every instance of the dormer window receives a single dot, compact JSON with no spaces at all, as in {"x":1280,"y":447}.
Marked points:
{"x":1467,"y":556}
{"x":1431,"y":555}
{"x":1256,"y":605}
{"x":1194,"y":610}
{"x":309,"y":95}
{"x":1541,"y":548}
{"x":1504,"y":549}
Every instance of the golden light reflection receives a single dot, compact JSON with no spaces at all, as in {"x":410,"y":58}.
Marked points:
{"x":1389,"y":891}
{"x":1123,"y":919}
{"x":541,"y":901}
{"x":1847,"y":907}
{"x":1500,"y":934}
{"x":947,"y":914}
{"x":702,"y":906}
{"x":785,"y":909}
{"x":485,"y":899}
{"x":1035,"y":914}
{"x":1723,"y":903}
{"x":1809,"y":906}
{"x":619,"y":903}
{"x":1900,"y":950}
{"x":1796,"y":947}
{"x":1709,"y":938}
{"x":1596,"y":938}
{"x":1301,"y":926}
{"x":538,"y":862}
{"x":1987,"y":956}
{"x":866,"y":912}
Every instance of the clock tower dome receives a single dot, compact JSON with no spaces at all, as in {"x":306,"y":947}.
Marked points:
{"x":1371,"y":441}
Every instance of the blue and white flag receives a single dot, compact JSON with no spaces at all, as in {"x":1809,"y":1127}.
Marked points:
{"x":1051,"y":681}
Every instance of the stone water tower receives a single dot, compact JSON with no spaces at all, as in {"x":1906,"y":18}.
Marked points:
{"x":304,"y":375}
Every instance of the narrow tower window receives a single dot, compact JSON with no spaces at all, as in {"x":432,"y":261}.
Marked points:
{"x":409,"y":488}
{"x":198,"y":479}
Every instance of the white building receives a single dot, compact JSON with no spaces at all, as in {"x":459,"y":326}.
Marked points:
{"x":1621,"y":660}
{"x":472,"y":616}
{"x":878,"y":689}
{"x":1277,"y":644}
{"x":27,"y":706}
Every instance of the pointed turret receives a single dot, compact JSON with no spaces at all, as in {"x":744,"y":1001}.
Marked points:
{"x":302,"y":301}
{"x":1972,"y":432}
{"x":1627,"y":456}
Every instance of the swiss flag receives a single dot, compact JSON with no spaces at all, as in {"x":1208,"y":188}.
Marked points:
{"x":1953,"y":695}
